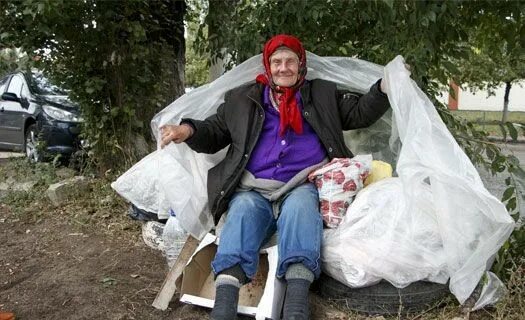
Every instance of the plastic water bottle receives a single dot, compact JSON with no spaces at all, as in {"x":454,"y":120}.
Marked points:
{"x":174,"y":238}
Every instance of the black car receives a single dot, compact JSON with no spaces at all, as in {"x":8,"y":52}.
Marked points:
{"x":37,"y":117}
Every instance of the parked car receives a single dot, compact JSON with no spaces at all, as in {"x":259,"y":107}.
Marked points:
{"x":37,"y":117}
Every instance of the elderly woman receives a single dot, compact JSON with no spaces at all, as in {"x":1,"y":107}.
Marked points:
{"x":278,"y":130}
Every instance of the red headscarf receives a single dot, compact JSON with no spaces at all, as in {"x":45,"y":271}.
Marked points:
{"x":288,"y":108}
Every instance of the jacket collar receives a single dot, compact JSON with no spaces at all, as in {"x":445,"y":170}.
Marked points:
{"x":256,"y":91}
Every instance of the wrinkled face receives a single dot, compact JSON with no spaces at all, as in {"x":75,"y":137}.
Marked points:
{"x":284,"y":67}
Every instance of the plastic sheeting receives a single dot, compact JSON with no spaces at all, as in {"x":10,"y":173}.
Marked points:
{"x":468,"y":226}
{"x":435,"y":221}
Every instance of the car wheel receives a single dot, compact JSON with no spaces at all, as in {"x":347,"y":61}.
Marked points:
{"x":31,"y":144}
{"x":383,"y":298}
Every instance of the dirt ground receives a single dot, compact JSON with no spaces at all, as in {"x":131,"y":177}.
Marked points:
{"x":85,"y":259}
{"x":82,"y":260}
{"x":51,"y":269}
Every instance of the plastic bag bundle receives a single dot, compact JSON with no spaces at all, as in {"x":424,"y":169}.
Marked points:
{"x":337,"y":183}
{"x":435,"y":222}
{"x":381,"y":240}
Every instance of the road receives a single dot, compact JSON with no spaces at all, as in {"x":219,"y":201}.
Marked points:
{"x":496,"y":184}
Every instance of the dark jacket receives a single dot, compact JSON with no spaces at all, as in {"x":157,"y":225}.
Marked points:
{"x":239,"y":120}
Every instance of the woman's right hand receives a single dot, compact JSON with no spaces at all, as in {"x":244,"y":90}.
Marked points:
{"x":175,"y":133}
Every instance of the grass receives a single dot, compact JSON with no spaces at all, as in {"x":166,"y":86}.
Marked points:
{"x":486,"y":116}
{"x":486,"y":120}
{"x":100,"y":208}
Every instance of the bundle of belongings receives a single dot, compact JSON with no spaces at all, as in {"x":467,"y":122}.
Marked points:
{"x":434,"y":220}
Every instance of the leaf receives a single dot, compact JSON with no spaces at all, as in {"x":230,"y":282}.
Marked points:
{"x":503,"y":131}
{"x":511,"y":204}
{"x":507,"y":194}
{"x":512,"y":131}
{"x":114,"y":111}
{"x":108,"y":281}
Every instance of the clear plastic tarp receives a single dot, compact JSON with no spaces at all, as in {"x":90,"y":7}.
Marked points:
{"x":436,"y":214}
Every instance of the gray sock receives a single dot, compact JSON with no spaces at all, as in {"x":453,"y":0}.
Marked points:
{"x":298,"y":279}
{"x":226,"y":298}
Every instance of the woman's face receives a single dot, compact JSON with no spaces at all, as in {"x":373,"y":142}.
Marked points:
{"x":284,"y":67}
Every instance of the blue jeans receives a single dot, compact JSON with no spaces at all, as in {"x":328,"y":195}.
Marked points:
{"x":250,"y":223}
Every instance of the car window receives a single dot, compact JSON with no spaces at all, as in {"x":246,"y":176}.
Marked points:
{"x":3,"y":83}
{"x":15,"y":85}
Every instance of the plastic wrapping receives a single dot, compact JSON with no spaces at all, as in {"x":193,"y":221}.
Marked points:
{"x":436,"y":221}
{"x":465,"y":224}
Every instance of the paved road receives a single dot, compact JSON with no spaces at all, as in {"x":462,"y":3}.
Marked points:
{"x":496,"y":184}
{"x":518,"y":149}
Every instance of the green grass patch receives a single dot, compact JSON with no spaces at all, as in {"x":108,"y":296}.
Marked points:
{"x":488,"y":121}
{"x":488,"y":116}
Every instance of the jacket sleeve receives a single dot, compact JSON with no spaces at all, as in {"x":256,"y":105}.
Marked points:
{"x":360,"y":111}
{"x":210,"y":135}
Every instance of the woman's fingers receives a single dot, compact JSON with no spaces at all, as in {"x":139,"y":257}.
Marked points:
{"x":174,"y":133}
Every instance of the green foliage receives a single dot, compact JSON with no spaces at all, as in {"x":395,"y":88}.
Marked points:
{"x":495,"y":45}
{"x":495,"y":49}
{"x":196,"y":72}
{"x":424,"y":32}
{"x":122,"y":60}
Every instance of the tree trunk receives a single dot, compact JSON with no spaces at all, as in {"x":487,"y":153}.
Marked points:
{"x":218,"y":12}
{"x":170,"y":15}
{"x":174,"y":34}
{"x":506,"y":102}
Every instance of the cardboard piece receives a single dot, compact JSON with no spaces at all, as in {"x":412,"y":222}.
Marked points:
{"x":262,"y":298}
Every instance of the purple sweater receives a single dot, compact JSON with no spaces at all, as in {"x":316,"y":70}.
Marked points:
{"x":281,"y":158}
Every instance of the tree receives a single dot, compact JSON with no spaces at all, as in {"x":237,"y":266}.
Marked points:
{"x":122,"y":60}
{"x":495,"y":49}
{"x":196,"y":63}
